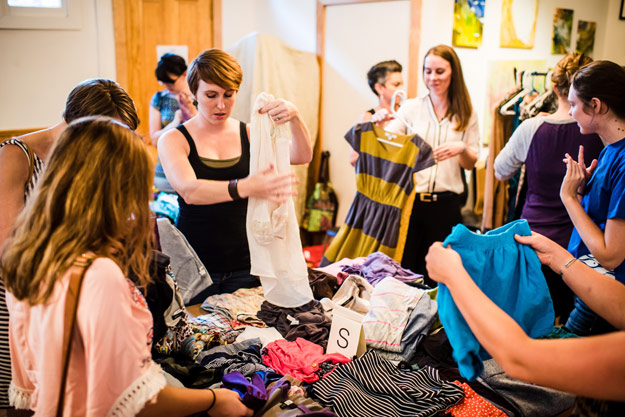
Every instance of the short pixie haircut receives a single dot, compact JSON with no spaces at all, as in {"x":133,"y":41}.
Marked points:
{"x":216,"y":67}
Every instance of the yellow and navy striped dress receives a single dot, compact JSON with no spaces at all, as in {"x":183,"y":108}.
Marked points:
{"x":378,"y":217}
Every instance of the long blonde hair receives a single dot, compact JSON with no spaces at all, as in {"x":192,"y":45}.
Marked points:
{"x":94,"y":196}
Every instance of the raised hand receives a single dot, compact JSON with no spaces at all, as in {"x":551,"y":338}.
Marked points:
{"x":280,"y":111}
{"x":381,"y":116}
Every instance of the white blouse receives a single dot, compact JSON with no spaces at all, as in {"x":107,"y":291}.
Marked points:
{"x":420,"y":115}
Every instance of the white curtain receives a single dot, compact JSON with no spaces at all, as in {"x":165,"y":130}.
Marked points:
{"x":270,"y":65}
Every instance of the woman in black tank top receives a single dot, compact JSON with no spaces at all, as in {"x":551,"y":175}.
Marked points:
{"x":207,"y":161}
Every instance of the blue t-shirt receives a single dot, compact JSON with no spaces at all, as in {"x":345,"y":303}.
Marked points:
{"x":167,"y":104}
{"x":604,"y":197}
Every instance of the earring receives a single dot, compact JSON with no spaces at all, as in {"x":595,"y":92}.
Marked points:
{"x":195,"y":103}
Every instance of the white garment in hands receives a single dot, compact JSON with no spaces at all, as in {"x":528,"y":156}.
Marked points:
{"x":272,"y":231}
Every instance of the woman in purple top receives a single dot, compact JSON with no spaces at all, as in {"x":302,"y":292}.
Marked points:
{"x":540,"y":143}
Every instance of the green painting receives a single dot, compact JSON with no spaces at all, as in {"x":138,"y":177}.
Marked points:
{"x":586,"y":37}
{"x":562,"y":28}
{"x":468,"y":22}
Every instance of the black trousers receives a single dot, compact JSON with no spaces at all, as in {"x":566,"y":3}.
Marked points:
{"x":429,"y":222}
{"x":562,"y":296}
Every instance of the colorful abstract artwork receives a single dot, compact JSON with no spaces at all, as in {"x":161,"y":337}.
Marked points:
{"x":586,"y":37}
{"x":562,"y":28}
{"x":468,"y":22}
{"x":518,"y":24}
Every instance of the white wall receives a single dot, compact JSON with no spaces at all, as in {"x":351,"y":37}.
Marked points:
{"x":293,"y":21}
{"x":613,"y":48}
{"x":40,"y":67}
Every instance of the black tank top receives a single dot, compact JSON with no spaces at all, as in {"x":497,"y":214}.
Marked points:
{"x":217,"y":231}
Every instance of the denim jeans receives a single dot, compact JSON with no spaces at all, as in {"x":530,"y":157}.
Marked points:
{"x":582,"y":319}
{"x":226,"y":282}
{"x":584,"y":322}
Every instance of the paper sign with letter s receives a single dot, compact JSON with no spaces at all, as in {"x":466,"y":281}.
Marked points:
{"x":346,"y":334}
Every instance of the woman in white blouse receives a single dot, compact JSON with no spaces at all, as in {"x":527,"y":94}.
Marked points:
{"x":446,"y":120}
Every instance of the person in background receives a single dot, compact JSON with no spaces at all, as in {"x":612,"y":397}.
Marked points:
{"x":446,"y":120}
{"x":169,"y":107}
{"x":539,"y":143}
{"x":90,"y":97}
{"x":570,"y":364}
{"x":384,"y":79}
{"x":594,"y":196}
{"x":206,"y":160}
{"x":76,"y":214}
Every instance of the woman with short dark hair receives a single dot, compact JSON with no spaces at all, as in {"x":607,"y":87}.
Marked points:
{"x":594,"y":196}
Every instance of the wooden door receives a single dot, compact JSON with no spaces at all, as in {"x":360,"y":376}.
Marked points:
{"x":141,"y":25}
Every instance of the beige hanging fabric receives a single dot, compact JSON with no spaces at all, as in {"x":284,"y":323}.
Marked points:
{"x":270,"y":65}
{"x":272,"y":231}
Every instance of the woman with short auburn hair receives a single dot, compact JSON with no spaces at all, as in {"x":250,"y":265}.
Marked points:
{"x":207,"y":160}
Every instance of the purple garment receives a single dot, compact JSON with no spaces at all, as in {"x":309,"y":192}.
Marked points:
{"x":252,"y":392}
{"x":545,"y":170}
{"x":378,"y":266}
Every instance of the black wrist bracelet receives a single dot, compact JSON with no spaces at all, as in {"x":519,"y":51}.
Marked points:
{"x":232,"y":189}
{"x":214,"y":400}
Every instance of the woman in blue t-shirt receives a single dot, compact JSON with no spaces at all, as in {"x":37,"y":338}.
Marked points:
{"x":594,"y":196}
{"x":169,"y":107}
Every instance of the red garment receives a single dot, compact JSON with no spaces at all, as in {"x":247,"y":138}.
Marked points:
{"x":473,"y":405}
{"x":300,"y":359}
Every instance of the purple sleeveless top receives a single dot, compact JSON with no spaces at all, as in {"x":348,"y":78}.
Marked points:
{"x":545,"y":170}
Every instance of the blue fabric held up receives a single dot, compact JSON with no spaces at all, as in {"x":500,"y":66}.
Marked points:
{"x":509,"y":274}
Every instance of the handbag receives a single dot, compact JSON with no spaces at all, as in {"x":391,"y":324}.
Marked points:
{"x":76,"y":278}
{"x":322,"y":205}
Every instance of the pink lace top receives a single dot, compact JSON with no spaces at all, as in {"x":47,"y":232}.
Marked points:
{"x":111,"y":372}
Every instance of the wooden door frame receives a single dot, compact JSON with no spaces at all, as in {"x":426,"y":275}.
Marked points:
{"x":123,"y":13}
{"x":414,"y":42}
{"x":120,"y":44}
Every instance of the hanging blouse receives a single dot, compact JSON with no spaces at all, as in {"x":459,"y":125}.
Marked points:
{"x":272,"y":230}
{"x":378,"y":217}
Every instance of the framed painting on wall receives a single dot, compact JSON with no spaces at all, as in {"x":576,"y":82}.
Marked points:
{"x":586,"y":37}
{"x":468,"y":23}
{"x":562,"y":28}
{"x":518,"y":24}
{"x":622,"y":13}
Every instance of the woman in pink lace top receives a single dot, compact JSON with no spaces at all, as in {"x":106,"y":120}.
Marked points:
{"x":93,"y":198}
